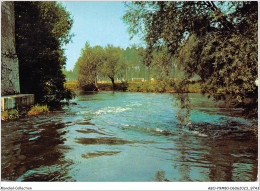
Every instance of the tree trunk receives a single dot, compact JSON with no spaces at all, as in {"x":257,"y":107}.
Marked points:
{"x":126,"y":74}
{"x":149,"y":74}
{"x":96,"y":79}
{"x":113,"y":82}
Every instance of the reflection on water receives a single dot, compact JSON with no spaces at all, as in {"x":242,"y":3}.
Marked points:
{"x":130,"y":137}
{"x":160,"y":176}
{"x":102,"y":140}
{"x":184,"y":105}
{"x":86,"y":131}
{"x":30,"y":147}
{"x":99,"y":153}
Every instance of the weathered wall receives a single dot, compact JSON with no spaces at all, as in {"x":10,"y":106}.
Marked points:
{"x":16,"y":101}
{"x":9,"y":61}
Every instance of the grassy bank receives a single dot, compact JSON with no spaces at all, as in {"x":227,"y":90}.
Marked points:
{"x":38,"y":109}
{"x":9,"y":114}
{"x":17,"y":113}
{"x":72,"y":85}
{"x":139,"y":87}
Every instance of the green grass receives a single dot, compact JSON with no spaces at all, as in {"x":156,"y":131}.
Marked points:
{"x":160,"y":86}
{"x":194,"y":88}
{"x":130,"y":86}
{"x":38,"y":109}
{"x":10,"y":114}
{"x":72,"y":85}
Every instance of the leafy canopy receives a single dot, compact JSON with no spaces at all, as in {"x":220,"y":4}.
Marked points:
{"x":42,"y":29}
{"x":88,"y":65}
{"x":216,"y":40}
{"x":111,"y":62}
{"x":97,"y":62}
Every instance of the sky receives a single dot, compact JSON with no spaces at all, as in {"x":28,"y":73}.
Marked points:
{"x":99,"y":23}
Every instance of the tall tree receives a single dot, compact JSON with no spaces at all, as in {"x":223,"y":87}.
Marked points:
{"x":216,"y":40}
{"x":111,"y":62}
{"x":88,"y":64}
{"x":132,"y":62}
{"x":71,"y":75}
{"x":42,"y":29}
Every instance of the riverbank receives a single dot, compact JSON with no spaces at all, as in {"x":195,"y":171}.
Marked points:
{"x":160,"y":87}
{"x":26,"y":111}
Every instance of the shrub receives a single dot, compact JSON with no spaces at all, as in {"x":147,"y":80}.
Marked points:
{"x":124,"y":85}
{"x":38,"y":109}
{"x":160,"y":85}
{"x":10,"y":114}
{"x":134,"y":86}
{"x":72,"y":85}
{"x":194,"y":88}
{"x":89,"y":87}
{"x":148,"y":87}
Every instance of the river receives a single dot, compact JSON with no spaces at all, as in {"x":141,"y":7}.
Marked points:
{"x":123,"y":136}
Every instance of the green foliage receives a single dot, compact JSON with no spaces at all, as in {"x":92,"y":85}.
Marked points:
{"x":216,"y":40}
{"x":10,"y":114}
{"x":196,"y":87}
{"x":105,"y":86}
{"x":111,"y":62}
{"x":147,"y":86}
{"x":72,"y":85}
{"x":88,"y":65}
{"x":97,"y":62}
{"x":38,"y":109}
{"x":131,"y":64}
{"x":135,"y":87}
{"x":161,"y":86}
{"x":71,"y":75}
{"x":42,"y":29}
{"x":124,"y":85}
{"x":13,"y":114}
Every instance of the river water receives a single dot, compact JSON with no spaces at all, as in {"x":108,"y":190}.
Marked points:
{"x":123,"y":136}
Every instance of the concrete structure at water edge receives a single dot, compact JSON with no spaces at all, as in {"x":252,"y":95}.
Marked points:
{"x":10,"y":85}
{"x":16,"y":101}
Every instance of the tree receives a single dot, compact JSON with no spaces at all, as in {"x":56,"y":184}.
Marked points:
{"x":216,"y":40}
{"x":42,"y":29}
{"x":132,"y":62}
{"x":126,"y":61}
{"x":111,"y":62}
{"x":88,"y":64}
{"x":71,"y":75}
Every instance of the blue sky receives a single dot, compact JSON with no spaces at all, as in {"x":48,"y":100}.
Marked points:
{"x":99,"y":23}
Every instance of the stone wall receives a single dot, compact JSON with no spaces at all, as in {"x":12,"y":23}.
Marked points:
{"x":9,"y":62}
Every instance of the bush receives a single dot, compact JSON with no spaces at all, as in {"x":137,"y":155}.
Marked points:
{"x":148,"y":87}
{"x":89,"y":87}
{"x":72,"y":85}
{"x":38,"y":109}
{"x":124,"y":85}
{"x":10,"y":114}
{"x":161,"y":85}
{"x":134,"y":86}
{"x":194,"y":88}
{"x":105,"y":86}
